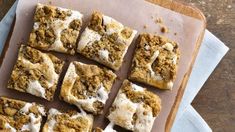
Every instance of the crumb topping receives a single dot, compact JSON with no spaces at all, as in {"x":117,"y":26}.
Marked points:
{"x":156,"y":55}
{"x":69,"y":121}
{"x":134,"y":108}
{"x":35,"y":72}
{"x":20,"y":116}
{"x":148,"y":98}
{"x":110,"y":36}
{"x":55,"y":28}
{"x":89,"y":86}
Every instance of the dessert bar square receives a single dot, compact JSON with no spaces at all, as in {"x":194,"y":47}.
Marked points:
{"x":105,"y":40}
{"x":134,"y":108}
{"x":87,"y":86}
{"x":19,"y":116}
{"x":70,"y":121}
{"x":36,"y":73}
{"x":155,"y":61}
{"x":55,"y":29}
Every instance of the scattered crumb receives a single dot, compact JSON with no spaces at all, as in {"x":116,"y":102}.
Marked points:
{"x":152,"y":17}
{"x":175,"y":34}
{"x":229,"y":6}
{"x":164,"y":29}
{"x":145,"y":26}
{"x":158,"y":20}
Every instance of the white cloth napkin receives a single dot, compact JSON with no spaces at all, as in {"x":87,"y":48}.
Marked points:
{"x":210,"y":54}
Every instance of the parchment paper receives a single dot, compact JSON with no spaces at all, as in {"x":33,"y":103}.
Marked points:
{"x":133,"y":13}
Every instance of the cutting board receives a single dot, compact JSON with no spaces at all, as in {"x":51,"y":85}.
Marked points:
{"x":160,"y":125}
{"x":188,"y":10}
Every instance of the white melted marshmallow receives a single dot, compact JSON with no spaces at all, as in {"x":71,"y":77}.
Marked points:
{"x":36,"y":25}
{"x":104,"y":54}
{"x":26,"y":107}
{"x":145,"y":121}
{"x":88,"y":37}
{"x":48,"y":70}
{"x":125,"y":110}
{"x":113,"y":26}
{"x":152,"y":73}
{"x":33,"y":125}
{"x":102,"y":94}
{"x":137,"y":87}
{"x":52,"y":113}
{"x":168,"y":46}
{"x":35,"y":88}
{"x":59,"y":25}
{"x":8,"y":126}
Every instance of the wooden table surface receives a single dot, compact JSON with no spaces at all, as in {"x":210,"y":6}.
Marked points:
{"x":216,"y":101}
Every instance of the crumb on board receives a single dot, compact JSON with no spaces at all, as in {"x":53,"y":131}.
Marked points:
{"x":158,"y":20}
{"x":164,"y":29}
{"x":145,"y":26}
{"x":175,"y":34}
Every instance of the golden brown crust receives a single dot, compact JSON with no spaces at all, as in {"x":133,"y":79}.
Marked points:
{"x":134,"y":108}
{"x":51,"y":29}
{"x":14,"y":114}
{"x":34,"y":67}
{"x":109,"y":37}
{"x":68,"y":121}
{"x":155,"y":61}
{"x":147,"y":97}
{"x":87,"y":86}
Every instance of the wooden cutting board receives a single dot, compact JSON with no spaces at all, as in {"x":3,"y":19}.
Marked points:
{"x":175,"y":6}
{"x":192,"y":12}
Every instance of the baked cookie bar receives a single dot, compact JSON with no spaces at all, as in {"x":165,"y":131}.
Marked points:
{"x":20,"y":116}
{"x":134,"y":108}
{"x":55,"y":29}
{"x":87,"y":86}
{"x":36,"y":73}
{"x":155,"y":61}
{"x":105,"y":40}
{"x":71,"y":121}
